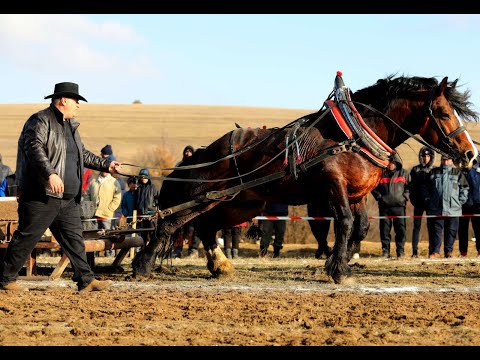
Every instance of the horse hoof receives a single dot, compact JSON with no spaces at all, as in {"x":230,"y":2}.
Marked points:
{"x":218,"y":264}
{"x":141,"y":272}
{"x":218,"y":269}
{"x":344,"y":280}
{"x":226,"y":268}
{"x":140,"y":277}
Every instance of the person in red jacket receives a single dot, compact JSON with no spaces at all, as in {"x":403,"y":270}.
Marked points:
{"x":392,"y":194}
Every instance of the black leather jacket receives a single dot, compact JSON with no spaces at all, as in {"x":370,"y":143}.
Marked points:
{"x":42,"y":151}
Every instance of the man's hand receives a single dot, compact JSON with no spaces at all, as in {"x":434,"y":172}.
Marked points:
{"x":56,"y":184}
{"x":115,"y":167}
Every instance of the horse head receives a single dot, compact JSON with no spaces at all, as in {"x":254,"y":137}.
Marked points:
{"x":443,"y":127}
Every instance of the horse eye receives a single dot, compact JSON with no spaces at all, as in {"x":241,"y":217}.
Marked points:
{"x":443,"y":116}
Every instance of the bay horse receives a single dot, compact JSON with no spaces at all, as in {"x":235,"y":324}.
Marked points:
{"x":309,"y":160}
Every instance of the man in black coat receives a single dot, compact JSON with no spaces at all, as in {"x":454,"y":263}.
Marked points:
{"x":418,"y":178}
{"x":50,"y":162}
{"x":391,"y":194}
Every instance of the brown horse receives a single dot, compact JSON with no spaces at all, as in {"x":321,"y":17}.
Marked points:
{"x":311,"y":160}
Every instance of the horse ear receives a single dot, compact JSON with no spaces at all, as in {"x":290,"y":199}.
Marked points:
{"x":443,"y":84}
{"x":454,"y":84}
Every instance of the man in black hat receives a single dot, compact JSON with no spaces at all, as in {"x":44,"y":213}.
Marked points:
{"x":418,"y":178}
{"x":50,"y":162}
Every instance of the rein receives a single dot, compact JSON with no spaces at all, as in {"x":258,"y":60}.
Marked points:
{"x":429,"y":115}
{"x":241,"y":151}
{"x":414,"y":136}
{"x":347,"y":146}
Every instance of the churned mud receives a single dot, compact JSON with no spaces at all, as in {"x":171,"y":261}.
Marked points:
{"x":285,"y":301}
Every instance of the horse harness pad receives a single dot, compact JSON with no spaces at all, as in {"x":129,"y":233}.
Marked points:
{"x":351,"y":124}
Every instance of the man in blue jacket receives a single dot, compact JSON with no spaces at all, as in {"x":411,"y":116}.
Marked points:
{"x":445,"y":193}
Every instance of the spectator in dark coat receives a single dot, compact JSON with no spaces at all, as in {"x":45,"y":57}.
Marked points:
{"x":471,"y":207}
{"x":147,"y":201}
{"x":418,"y":177}
{"x":392,"y":195}
{"x":272,"y":228}
{"x":129,"y":199}
{"x":444,"y":194}
{"x":186,"y":233}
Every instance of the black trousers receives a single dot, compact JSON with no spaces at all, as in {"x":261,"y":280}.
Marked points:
{"x":34,"y":218}
{"x":232,"y":237}
{"x":270,"y":228}
{"x":437,"y":227}
{"x":399,"y":226}
{"x":417,"y":226}
{"x":463,"y":227}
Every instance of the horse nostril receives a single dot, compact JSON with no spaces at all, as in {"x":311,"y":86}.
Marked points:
{"x":469,"y":155}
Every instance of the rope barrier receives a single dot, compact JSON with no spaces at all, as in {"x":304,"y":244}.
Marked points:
{"x":370,"y":217}
{"x":268,"y":217}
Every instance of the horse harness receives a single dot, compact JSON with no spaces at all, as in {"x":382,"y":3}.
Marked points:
{"x":349,"y":121}
{"x":375,"y":150}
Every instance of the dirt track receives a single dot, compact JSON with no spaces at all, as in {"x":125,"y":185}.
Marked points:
{"x":287,"y":301}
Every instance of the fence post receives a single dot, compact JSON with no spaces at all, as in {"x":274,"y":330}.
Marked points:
{"x":134,"y":226}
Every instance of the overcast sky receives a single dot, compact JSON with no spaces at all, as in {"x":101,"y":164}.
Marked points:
{"x":277,"y":60}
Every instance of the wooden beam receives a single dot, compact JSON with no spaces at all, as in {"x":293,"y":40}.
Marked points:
{"x":120,"y":256}
{"x":60,"y":268}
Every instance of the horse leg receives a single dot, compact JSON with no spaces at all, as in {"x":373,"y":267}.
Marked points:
{"x":217,"y":262}
{"x":319,"y":230}
{"x":144,"y":260}
{"x":360,"y":229}
{"x":336,"y":265}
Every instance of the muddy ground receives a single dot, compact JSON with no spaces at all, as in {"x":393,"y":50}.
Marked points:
{"x":267,"y":302}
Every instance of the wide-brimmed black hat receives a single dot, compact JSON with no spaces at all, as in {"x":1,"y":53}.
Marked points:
{"x":66,"y":89}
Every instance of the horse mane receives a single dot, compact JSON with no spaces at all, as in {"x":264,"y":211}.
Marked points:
{"x":391,"y":88}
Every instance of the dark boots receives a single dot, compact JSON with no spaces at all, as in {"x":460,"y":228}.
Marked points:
{"x":263,"y":251}
{"x":231,"y":253}
{"x":322,"y":253}
{"x":276,"y":251}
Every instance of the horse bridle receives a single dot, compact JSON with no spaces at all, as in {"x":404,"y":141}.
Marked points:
{"x":427,"y":109}
{"x":446,"y":139}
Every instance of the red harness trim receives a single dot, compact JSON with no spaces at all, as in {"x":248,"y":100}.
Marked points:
{"x":424,"y":127}
{"x":337,"y":115}
{"x":398,"y":179}
{"x":366,"y":127}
